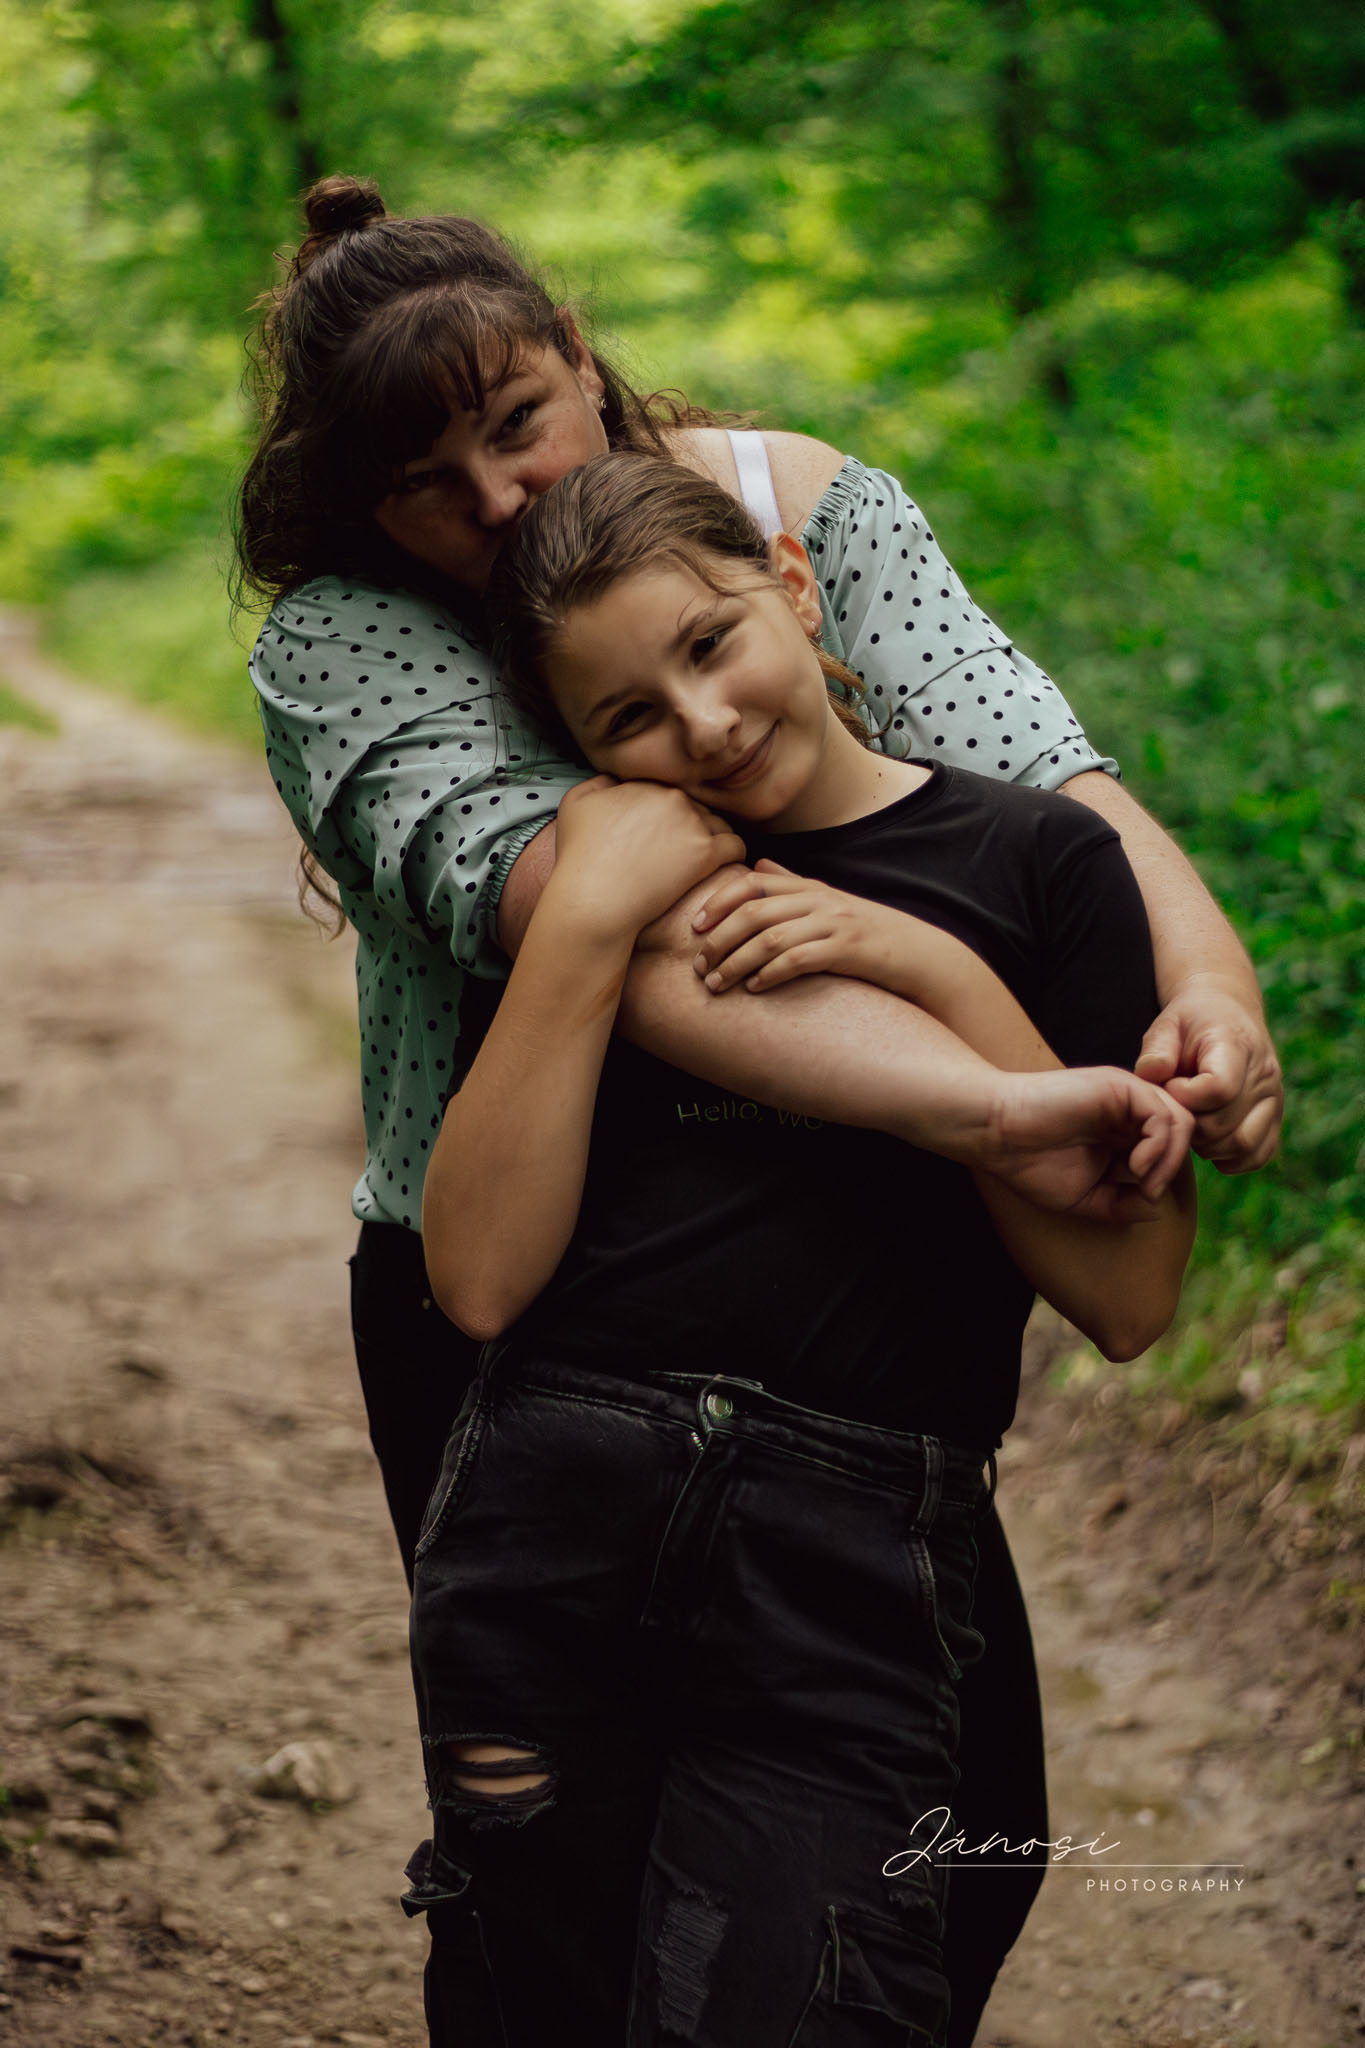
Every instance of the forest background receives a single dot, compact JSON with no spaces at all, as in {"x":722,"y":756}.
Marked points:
{"x":1090,"y":279}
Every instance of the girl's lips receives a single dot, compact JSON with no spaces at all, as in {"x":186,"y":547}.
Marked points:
{"x":748,"y":765}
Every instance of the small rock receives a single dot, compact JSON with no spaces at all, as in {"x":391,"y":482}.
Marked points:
{"x":253,"y":1987}
{"x":53,"y":1958}
{"x":17,"y":1189}
{"x":142,"y":1364}
{"x":28,"y":1794}
{"x":125,"y":1715}
{"x":60,"y":1933}
{"x":307,"y":1771}
{"x":97,"y":1805}
{"x":85,"y":1837}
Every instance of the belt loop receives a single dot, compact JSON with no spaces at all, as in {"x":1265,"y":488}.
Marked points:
{"x":933,"y":1485}
{"x":994,"y":1471}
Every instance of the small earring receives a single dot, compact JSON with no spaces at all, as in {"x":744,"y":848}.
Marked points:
{"x":602,"y":403}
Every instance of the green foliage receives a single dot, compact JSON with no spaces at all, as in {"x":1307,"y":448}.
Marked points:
{"x":17,"y":710}
{"x":1092,"y":280}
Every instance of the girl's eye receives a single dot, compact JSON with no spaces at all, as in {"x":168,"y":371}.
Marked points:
{"x":707,"y":643}
{"x":629,"y":715}
{"x":519,"y":417}
{"x":416,"y":480}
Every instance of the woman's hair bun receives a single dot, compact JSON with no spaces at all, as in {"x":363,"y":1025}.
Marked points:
{"x":337,"y":204}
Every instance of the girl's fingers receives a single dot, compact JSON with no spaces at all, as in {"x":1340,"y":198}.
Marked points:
{"x":751,"y":886}
{"x":811,"y":957}
{"x":744,"y":924}
{"x":759,"y":952}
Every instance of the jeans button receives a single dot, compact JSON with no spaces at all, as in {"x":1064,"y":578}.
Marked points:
{"x":719,"y":1407}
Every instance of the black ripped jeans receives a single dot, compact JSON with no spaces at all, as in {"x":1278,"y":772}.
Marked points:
{"x":415,"y":1368}
{"x":727,"y":1631}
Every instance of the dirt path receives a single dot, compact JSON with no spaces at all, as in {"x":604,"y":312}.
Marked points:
{"x":196,"y":1570}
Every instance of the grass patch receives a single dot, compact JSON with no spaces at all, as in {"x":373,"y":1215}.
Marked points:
{"x":17,"y":710}
{"x":162,"y":635}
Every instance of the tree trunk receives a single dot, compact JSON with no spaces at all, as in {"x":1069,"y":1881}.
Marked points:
{"x":266,"y":24}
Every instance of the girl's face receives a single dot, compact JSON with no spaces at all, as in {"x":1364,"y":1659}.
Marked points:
{"x":458,"y":503}
{"x":716,"y":692}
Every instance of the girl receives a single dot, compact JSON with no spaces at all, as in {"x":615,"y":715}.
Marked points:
{"x":695,"y":1585}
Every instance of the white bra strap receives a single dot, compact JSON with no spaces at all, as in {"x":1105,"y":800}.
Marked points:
{"x":756,"y":479}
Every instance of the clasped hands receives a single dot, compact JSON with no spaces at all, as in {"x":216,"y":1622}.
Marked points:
{"x":1205,"y":1052}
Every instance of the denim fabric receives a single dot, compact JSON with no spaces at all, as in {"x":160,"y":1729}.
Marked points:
{"x":729,"y":1631}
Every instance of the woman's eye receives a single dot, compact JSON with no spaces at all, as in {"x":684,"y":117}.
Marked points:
{"x":417,"y":480}
{"x":519,"y":417}
{"x":708,"y":642}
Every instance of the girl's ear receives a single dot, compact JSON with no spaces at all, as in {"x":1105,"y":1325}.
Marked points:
{"x":791,"y":566}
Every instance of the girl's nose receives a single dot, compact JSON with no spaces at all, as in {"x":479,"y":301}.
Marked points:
{"x":708,"y":724}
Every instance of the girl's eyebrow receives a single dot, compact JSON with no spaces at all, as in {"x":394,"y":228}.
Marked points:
{"x":688,"y":626}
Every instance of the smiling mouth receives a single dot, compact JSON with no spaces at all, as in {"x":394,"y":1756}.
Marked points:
{"x":748,"y":767}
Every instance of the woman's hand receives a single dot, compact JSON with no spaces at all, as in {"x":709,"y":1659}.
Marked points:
{"x":768,"y":926}
{"x":626,"y":851}
{"x":1215,"y":1057}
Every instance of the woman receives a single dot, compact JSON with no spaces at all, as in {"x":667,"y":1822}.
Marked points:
{"x":419,"y":390}
{"x":704,"y":1536}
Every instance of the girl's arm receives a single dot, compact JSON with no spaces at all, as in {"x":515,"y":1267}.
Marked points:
{"x":506,"y":1176}
{"x":1118,"y":1281}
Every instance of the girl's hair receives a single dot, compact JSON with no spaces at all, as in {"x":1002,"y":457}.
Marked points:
{"x":612,"y":517}
{"x":381,"y":325}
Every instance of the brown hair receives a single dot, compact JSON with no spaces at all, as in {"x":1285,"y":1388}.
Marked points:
{"x":609,"y":518}
{"x":379,"y":325}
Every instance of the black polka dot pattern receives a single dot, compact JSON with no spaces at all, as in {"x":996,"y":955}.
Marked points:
{"x":405,"y":775}
{"x":898,"y":615}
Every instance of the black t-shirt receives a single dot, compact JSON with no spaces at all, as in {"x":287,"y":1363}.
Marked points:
{"x":844,"y":1269}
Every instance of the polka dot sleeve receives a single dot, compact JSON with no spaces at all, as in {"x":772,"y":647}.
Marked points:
{"x":396,"y":761}
{"x":943,"y":680}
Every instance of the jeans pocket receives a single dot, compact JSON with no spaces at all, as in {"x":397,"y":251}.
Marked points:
{"x":943,"y":1571}
{"x":881,"y":1982}
{"x":456,"y":1467}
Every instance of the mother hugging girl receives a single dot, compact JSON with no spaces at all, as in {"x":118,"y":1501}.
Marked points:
{"x":421,"y":394}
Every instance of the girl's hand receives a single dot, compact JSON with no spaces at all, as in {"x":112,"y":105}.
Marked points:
{"x":1093,"y":1141}
{"x":768,"y":926}
{"x":626,"y":851}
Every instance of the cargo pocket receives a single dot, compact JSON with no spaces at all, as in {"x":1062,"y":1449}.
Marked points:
{"x":462,"y":2003}
{"x":880,"y":1983}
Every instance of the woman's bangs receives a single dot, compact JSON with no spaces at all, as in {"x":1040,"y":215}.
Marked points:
{"x":416,"y":362}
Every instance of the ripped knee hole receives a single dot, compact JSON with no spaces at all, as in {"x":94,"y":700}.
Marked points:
{"x":495,"y":1768}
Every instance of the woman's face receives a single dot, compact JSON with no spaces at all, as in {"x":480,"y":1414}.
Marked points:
{"x":719,"y":693}
{"x":459,"y":502}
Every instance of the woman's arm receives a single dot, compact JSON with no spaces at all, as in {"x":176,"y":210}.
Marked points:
{"x":506,"y":1176}
{"x":1210,"y":1044}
